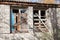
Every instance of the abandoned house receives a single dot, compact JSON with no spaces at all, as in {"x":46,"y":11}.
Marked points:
{"x":29,"y":19}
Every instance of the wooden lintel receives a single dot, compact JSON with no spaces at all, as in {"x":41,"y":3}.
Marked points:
{"x":32,"y":4}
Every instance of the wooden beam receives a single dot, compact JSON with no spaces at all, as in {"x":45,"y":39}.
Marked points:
{"x":31,"y":4}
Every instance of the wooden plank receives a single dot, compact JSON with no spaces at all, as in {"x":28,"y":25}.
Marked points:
{"x":31,"y":4}
{"x":18,"y":20}
{"x":17,"y":25}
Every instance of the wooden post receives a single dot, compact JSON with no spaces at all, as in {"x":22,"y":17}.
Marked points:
{"x":18,"y":21}
{"x":17,"y":25}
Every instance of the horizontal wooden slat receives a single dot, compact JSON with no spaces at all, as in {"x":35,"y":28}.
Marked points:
{"x":37,"y":5}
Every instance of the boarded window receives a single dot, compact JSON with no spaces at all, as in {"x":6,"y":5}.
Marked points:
{"x":18,"y":21}
{"x":38,"y":24}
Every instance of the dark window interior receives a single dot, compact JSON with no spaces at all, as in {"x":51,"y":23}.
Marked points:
{"x":15,"y":11}
{"x":43,"y":15}
{"x":35,"y":11}
{"x":36,"y":25}
{"x":36,"y":21}
{"x":23,"y":11}
{"x":43,"y":21}
{"x":42,"y":24}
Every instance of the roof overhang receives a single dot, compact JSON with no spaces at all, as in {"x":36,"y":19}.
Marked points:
{"x":34,"y":4}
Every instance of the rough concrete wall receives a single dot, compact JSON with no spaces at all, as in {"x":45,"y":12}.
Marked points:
{"x":48,"y":23}
{"x":18,"y":36}
{"x":58,"y":16}
{"x":48,"y":12}
{"x":53,"y":15}
{"x":58,"y":20}
{"x":30,"y":18}
{"x":4,"y":19}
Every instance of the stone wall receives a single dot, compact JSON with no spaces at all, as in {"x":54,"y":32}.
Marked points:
{"x":30,"y":18}
{"x":58,"y":21}
{"x":4,"y":19}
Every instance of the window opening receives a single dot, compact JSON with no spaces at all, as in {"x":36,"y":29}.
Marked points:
{"x":37,"y":20}
{"x":18,"y":21}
